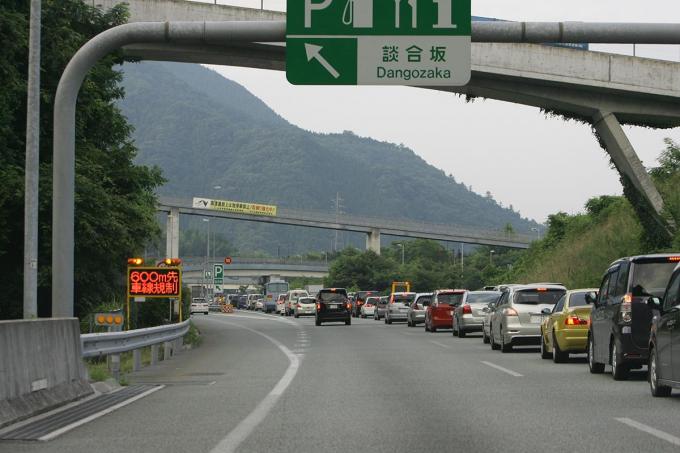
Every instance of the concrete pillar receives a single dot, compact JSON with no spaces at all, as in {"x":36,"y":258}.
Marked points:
{"x":136,"y":360}
{"x":373,"y":241}
{"x":172,"y":234}
{"x":624,"y":157}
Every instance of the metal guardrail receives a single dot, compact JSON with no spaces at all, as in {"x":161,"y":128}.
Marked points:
{"x":108,"y":343}
{"x":112,"y":344}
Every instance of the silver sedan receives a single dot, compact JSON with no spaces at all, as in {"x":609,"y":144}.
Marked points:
{"x":469,"y":315}
{"x":416,"y":312}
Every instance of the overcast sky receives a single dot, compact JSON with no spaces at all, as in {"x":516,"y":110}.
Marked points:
{"x":539,"y":165}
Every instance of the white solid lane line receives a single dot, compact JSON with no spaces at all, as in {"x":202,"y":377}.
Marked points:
{"x":504,"y":370}
{"x":649,"y":430}
{"x":244,"y":429}
{"x":440,"y":344}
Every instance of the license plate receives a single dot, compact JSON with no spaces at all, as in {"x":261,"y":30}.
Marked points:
{"x":333,"y":306}
{"x":536,"y":319}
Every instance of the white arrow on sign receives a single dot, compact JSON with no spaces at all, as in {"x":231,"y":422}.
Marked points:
{"x":313,"y":52}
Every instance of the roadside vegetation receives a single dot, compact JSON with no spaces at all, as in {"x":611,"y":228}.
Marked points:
{"x":574,"y":251}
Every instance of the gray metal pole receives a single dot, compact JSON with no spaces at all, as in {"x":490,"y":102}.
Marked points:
{"x":32,"y":166}
{"x":224,"y":33}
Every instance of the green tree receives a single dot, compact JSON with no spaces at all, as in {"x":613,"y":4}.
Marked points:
{"x":115,"y":199}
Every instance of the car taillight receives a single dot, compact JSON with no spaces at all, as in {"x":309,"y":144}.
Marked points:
{"x":467,"y":310}
{"x":626,"y":308}
{"x":369,"y":305}
{"x":318,"y":307}
{"x":575,"y":321}
{"x":349,"y":306}
{"x":510,"y":312}
{"x":298,"y":305}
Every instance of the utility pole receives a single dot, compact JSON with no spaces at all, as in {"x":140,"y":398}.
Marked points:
{"x":462,"y":258}
{"x":32,"y":168}
{"x":337,"y":205}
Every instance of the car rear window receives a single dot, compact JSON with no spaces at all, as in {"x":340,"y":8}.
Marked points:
{"x":306,"y":300}
{"x":372,"y":300}
{"x":578,"y":299}
{"x":332,"y":297}
{"x":450,"y":298}
{"x":404,"y":298}
{"x":425,"y":300}
{"x":651,"y":278}
{"x":538,"y":297}
{"x":483,"y":298}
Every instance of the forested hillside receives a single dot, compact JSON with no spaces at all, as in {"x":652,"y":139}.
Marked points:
{"x":204,"y":130}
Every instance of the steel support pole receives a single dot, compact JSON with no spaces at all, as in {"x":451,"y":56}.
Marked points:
{"x":63,"y":207}
{"x":32,"y":169}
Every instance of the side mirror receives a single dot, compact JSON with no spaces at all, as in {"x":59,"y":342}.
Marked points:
{"x":546,"y":311}
{"x":654,"y":303}
{"x":591,"y":298}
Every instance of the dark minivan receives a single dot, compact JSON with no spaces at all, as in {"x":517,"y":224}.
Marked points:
{"x":664,"y":342}
{"x":332,"y":305}
{"x":621,"y":319}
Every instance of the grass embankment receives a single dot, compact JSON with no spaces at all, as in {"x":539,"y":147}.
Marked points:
{"x":578,"y":249}
{"x":99,"y":371}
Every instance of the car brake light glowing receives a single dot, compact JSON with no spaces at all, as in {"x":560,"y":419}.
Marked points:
{"x":541,"y":289}
{"x":318,"y":307}
{"x":349,"y":306}
{"x":626,"y":308}
{"x":575,"y":321}
{"x":467,"y":310}
{"x":674,"y":259}
{"x":510,"y":312}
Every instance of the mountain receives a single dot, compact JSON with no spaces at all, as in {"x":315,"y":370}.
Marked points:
{"x":204,"y":130}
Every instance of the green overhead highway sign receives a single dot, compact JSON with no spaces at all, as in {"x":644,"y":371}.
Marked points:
{"x":378,"y":42}
{"x":218,"y":272}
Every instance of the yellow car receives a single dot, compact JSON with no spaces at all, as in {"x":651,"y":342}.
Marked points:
{"x":564,"y":329}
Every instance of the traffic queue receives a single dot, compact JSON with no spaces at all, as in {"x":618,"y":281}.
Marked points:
{"x":627,"y":323}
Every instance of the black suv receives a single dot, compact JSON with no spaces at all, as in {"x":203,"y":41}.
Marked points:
{"x":621,"y":319}
{"x":333,"y":305}
{"x":664,"y":342}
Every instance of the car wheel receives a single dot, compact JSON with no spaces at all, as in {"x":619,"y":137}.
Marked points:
{"x":296,"y":316}
{"x":658,"y":390}
{"x":544,"y":349}
{"x":593,"y":366}
{"x":620,"y":370}
{"x":454,"y":331}
{"x":485,"y":337}
{"x":433,"y":329}
{"x":558,"y":355}
{"x":505,"y":347}
{"x":317,"y":322}
{"x":348,"y":322}
{"x":461,"y":332}
{"x":492,"y":341}
{"x":427,"y":329}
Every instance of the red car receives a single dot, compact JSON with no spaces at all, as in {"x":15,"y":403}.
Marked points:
{"x":439,"y":314}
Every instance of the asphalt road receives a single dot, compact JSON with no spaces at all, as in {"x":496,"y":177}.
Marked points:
{"x":262,"y":383}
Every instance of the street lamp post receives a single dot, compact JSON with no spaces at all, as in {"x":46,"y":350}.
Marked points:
{"x":538,"y":232}
{"x":207,"y":258}
{"x":491,"y":252}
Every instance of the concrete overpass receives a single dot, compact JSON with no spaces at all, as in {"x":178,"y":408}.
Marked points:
{"x":373,"y":227}
{"x":601,"y":89}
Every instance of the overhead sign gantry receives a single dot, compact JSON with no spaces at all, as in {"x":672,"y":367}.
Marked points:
{"x":378,"y":42}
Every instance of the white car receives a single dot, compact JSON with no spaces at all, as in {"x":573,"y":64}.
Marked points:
{"x":199,"y":305}
{"x":292,"y":299}
{"x":305,"y":306}
{"x":259,"y":304}
{"x":368,"y":307}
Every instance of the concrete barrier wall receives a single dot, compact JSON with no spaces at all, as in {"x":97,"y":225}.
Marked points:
{"x":41,"y":367}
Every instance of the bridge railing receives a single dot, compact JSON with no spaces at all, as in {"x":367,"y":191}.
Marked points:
{"x":113,"y":344}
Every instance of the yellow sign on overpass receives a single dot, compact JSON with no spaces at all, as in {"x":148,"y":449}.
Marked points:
{"x":235,"y":206}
